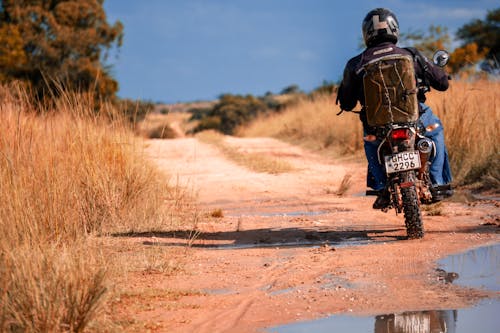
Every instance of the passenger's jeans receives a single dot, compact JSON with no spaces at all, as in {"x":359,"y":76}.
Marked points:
{"x":440,"y":170}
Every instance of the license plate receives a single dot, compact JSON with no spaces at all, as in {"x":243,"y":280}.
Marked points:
{"x":407,"y":160}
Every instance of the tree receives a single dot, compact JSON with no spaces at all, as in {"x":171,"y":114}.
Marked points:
{"x":465,"y":57}
{"x":484,"y":33}
{"x":63,"y":42}
{"x":291,"y":89}
{"x":12,"y":56}
{"x":436,"y":38}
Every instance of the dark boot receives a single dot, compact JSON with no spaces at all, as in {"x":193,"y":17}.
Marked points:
{"x":440,"y":192}
{"x":383,"y":200}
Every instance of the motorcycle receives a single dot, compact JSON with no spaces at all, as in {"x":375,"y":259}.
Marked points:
{"x":405,"y":153}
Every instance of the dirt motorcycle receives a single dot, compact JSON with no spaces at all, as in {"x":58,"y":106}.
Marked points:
{"x":391,"y":108}
{"x":406,"y":153}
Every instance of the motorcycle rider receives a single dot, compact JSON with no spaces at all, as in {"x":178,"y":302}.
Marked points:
{"x":380,"y":33}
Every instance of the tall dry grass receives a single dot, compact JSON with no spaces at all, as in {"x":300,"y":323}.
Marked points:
{"x":312,"y":123}
{"x":65,"y":174}
{"x":469,"y":111}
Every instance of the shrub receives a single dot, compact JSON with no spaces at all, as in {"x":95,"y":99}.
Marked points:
{"x":232,"y":111}
{"x":161,"y":131}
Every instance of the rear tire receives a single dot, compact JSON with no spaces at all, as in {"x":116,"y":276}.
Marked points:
{"x":413,"y":216}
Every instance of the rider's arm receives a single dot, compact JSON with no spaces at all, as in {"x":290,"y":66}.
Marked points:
{"x":348,"y":93}
{"x":437,"y":77}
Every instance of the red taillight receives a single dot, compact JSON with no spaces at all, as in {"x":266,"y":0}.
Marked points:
{"x":400,"y":134}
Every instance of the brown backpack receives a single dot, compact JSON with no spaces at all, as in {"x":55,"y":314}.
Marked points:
{"x":390,"y":90}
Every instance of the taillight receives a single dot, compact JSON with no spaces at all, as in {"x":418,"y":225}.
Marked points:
{"x":400,"y":134}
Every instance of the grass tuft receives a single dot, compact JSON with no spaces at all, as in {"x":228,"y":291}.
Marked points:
{"x":217,"y":213}
{"x":345,"y":185}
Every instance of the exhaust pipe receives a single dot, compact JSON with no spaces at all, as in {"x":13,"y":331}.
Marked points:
{"x":425,"y":146}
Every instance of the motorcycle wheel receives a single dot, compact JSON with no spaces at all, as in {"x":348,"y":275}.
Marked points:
{"x":413,"y":216}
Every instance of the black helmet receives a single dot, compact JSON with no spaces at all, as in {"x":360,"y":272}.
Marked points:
{"x":380,"y":25}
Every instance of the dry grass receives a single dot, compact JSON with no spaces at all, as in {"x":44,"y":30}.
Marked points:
{"x":313,"y":124}
{"x":253,"y":161}
{"x":217,"y":213}
{"x":345,"y":185}
{"x":66,"y":174}
{"x":470,"y":112}
{"x":50,"y":287}
{"x":165,"y":126}
{"x":434,"y":209}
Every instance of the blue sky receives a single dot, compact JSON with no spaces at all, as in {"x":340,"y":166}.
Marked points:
{"x":187,"y":50}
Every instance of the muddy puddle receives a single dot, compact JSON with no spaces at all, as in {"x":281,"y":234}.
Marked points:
{"x":477,"y":268}
{"x":298,"y":243}
{"x":277,"y":214}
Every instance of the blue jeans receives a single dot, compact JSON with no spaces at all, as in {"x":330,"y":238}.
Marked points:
{"x":440,"y":170}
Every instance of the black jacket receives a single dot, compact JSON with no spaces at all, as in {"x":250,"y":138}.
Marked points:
{"x":351,"y":88}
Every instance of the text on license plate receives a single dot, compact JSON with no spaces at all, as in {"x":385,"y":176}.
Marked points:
{"x":402,"y":161}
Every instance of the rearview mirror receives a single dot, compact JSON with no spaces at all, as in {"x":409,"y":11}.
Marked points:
{"x":441,"y":58}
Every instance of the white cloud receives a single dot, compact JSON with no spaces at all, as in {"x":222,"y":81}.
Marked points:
{"x":307,"y":55}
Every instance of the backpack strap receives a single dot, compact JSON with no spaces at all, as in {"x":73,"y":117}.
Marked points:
{"x":417,"y":56}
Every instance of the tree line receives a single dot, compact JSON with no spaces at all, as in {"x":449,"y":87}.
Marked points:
{"x":48,"y":44}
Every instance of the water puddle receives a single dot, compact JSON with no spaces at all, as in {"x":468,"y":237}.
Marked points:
{"x":478,"y":268}
{"x":298,"y":243}
{"x":482,"y":318}
{"x":218,"y":291}
{"x":281,"y":214}
{"x":282,"y":291}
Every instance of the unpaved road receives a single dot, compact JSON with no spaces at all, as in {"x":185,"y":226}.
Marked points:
{"x":240,"y":276}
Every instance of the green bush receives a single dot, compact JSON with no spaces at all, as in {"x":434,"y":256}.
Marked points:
{"x":232,"y":111}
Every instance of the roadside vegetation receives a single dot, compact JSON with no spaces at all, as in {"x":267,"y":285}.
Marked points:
{"x":68,"y":175}
{"x":469,"y":110}
{"x":232,"y":111}
{"x":312,"y":123}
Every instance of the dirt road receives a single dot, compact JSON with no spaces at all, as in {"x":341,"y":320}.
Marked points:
{"x":255,"y":267}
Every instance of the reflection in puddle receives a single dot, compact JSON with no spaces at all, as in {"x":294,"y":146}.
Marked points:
{"x":478,"y":268}
{"x":482,"y":318}
{"x":422,"y":321}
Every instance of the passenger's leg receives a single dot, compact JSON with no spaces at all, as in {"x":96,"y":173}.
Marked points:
{"x":440,"y":171}
{"x":440,"y":168}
